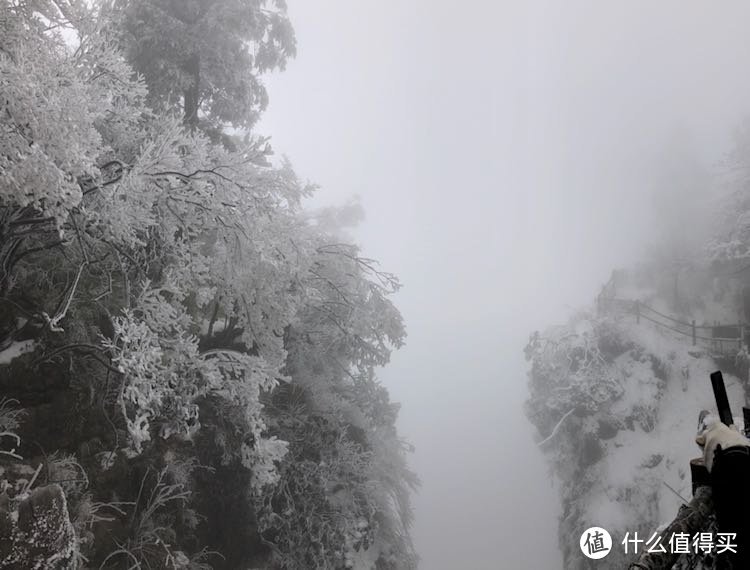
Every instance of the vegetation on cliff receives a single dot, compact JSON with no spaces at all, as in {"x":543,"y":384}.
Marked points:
{"x":184,"y":351}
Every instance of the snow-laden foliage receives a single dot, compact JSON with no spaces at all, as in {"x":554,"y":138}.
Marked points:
{"x":10,"y":421}
{"x":177,"y":306}
{"x":206,"y":58}
{"x":569,"y":372}
{"x":343,"y":496}
{"x":46,"y":119}
{"x":731,"y":240}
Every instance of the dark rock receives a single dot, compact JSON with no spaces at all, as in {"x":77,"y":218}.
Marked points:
{"x":652,"y":460}
{"x":645,"y":416}
{"x":36,"y":532}
{"x":607,"y":429}
{"x":591,"y":451}
{"x":660,"y":368}
{"x":611,"y":341}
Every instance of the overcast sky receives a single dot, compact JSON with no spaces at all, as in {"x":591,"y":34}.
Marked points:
{"x":508,"y":156}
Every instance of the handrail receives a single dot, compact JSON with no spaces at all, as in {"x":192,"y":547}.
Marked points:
{"x":638,"y":308}
{"x":645,"y":306}
{"x":665,"y":326}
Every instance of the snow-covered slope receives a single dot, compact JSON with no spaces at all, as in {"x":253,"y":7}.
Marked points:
{"x":616,"y":402}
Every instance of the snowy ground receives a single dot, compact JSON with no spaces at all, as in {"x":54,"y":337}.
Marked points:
{"x":666,"y":384}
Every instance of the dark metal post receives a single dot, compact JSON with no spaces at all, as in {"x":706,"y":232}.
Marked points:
{"x":746,"y":419}
{"x":722,"y":401}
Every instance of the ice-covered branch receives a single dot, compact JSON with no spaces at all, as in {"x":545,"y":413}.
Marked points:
{"x":12,"y":452}
{"x":557,"y":427}
{"x":53,"y":322}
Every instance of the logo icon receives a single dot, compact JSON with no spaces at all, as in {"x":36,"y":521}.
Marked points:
{"x":596,"y":542}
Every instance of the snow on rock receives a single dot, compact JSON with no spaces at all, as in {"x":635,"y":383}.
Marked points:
{"x":633,"y":392}
{"x":36,"y":532}
{"x":15,"y":350}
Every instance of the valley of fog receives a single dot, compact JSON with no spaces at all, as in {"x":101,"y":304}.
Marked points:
{"x":508,"y":156}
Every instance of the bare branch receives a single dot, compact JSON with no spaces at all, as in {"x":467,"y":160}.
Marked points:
{"x":92,"y":350}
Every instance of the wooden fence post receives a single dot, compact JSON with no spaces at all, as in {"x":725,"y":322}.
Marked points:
{"x":693,"y":326}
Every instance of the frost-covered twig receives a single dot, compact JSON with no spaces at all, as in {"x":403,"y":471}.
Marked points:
{"x":126,"y":552}
{"x":28,"y":486}
{"x":91,"y":349}
{"x":557,"y":427}
{"x":53,"y":322}
{"x":233,"y":354}
{"x":12,"y":452}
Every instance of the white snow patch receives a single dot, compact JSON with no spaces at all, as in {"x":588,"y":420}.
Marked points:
{"x":15,"y":350}
{"x":630,"y":481}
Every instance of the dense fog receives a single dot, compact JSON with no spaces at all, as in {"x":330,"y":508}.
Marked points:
{"x":366,"y":285}
{"x":508,"y":157}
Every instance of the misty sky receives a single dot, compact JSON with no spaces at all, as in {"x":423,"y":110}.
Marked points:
{"x":508,"y":156}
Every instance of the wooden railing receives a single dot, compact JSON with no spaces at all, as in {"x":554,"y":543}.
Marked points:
{"x":719,"y":339}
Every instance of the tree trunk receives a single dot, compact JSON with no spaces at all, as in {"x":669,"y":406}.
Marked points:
{"x":192,"y":94}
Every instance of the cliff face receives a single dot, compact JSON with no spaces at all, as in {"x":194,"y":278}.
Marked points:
{"x":615,"y":397}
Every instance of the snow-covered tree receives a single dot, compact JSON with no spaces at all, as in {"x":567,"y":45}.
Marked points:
{"x":731,"y":240}
{"x":206,"y":56}
{"x":189,"y":307}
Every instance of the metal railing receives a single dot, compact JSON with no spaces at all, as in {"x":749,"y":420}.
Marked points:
{"x":719,"y":339}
